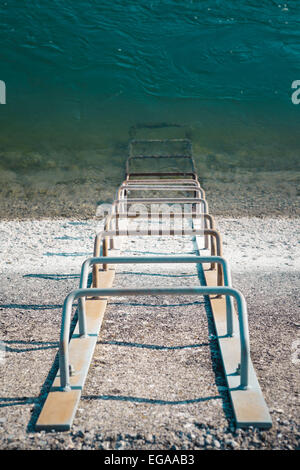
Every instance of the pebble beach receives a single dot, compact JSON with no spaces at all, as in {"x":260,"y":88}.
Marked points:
{"x":156,"y":379}
{"x":93,"y":93}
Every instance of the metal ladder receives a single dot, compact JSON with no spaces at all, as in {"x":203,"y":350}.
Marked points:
{"x":230,"y":320}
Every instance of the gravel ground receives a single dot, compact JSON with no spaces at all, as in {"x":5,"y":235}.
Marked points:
{"x":156,"y":378}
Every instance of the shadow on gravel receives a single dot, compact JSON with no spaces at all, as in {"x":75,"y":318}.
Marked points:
{"x":153,"y":346}
{"x":53,"y":277}
{"x":151,"y":401}
{"x":31,"y":306}
{"x":68,"y":254}
{"x":40,"y":400}
{"x":40,"y":345}
{"x":216,"y":359}
{"x":131,"y":304}
{"x":160,"y":253}
{"x":17,"y":401}
{"x":156,"y":274}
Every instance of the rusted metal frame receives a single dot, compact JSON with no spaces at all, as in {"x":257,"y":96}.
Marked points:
{"x":161,"y":232}
{"x":122,"y":192}
{"x":224,"y":280}
{"x":166,"y":140}
{"x":164,"y":173}
{"x":194,"y":181}
{"x":120,"y":205}
{"x":223,"y":277}
{"x":196,"y":201}
{"x":208,"y":218}
{"x":164,"y":184}
{"x":157,"y":183}
{"x":186,"y":141}
{"x":189,"y":182}
{"x":156,"y":232}
{"x":159,"y":157}
{"x":216,"y":249}
{"x":133,"y":129}
{"x":111,"y":221}
{"x":161,"y":186}
{"x":124,"y":188}
{"x":196,"y":190}
{"x":193,"y":173}
{"x":114,"y":292}
{"x":182,"y":139}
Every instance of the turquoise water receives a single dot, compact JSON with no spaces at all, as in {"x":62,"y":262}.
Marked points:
{"x":79,"y":74}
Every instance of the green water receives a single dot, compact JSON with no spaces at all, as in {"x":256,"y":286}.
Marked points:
{"x":79,"y":74}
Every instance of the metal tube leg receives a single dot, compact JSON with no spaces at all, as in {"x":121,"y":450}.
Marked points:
{"x":229,"y":317}
{"x":96,"y":275}
{"x":82,"y":317}
{"x":206,"y":236}
{"x":64,"y":368}
{"x":105,"y":251}
{"x":245,"y":347}
{"x":64,"y":344}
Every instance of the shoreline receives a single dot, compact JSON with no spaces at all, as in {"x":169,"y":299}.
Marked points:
{"x":75,"y":195}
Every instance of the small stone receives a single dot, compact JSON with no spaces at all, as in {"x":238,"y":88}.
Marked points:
{"x":233,"y":444}
{"x":120,"y":445}
{"x":216,"y":444}
{"x":188,"y":425}
{"x":255,"y":441}
{"x":200,"y":442}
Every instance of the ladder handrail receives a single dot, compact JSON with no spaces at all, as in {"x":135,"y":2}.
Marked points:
{"x":115,"y":292}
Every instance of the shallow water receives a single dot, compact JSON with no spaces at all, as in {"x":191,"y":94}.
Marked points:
{"x":79,"y":74}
